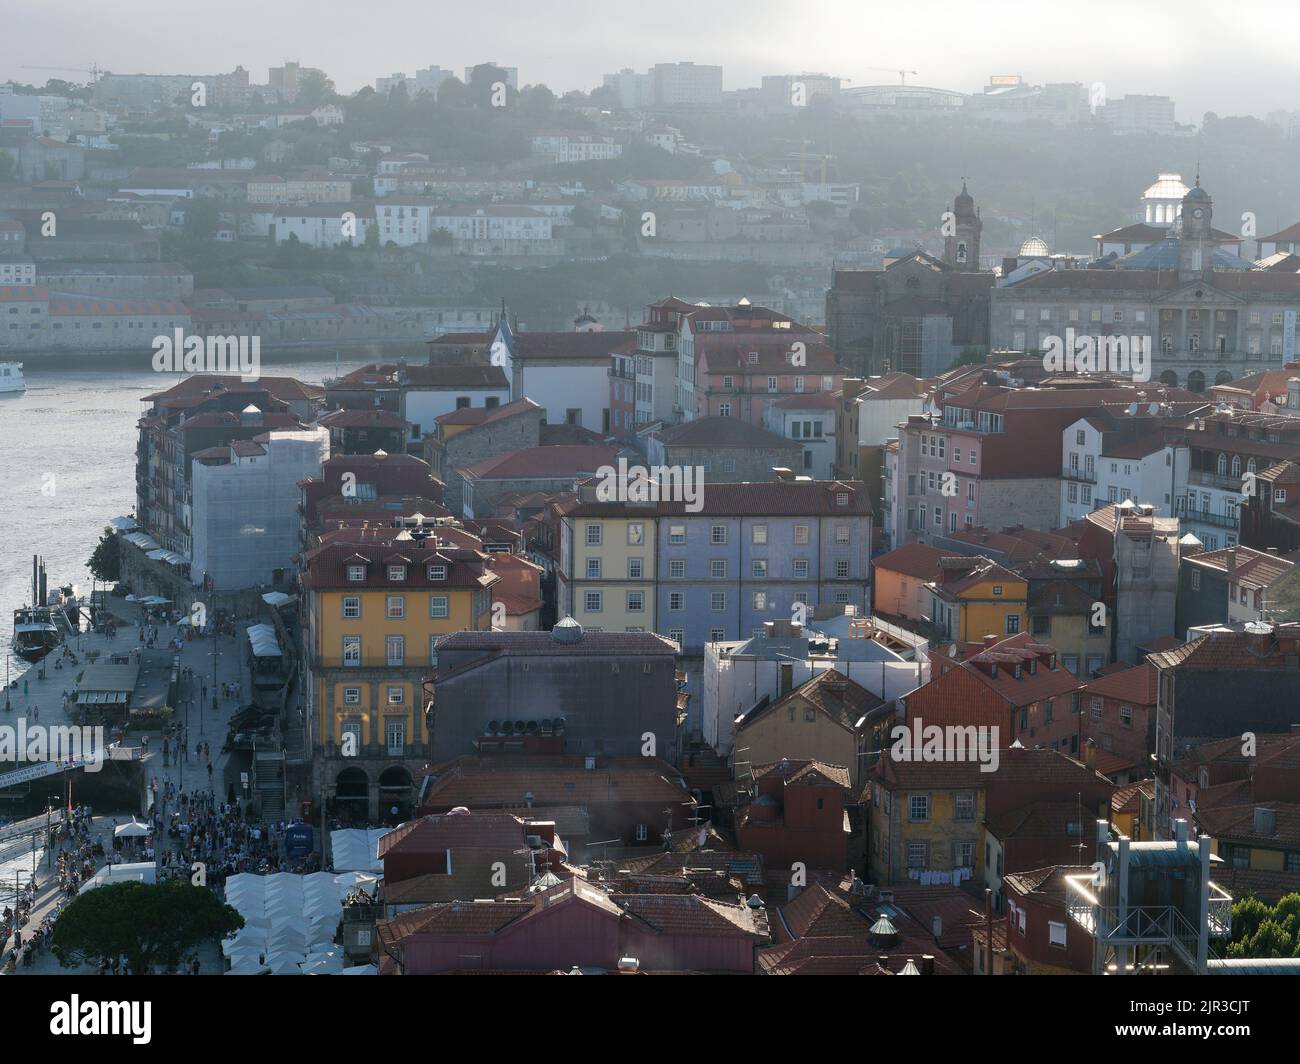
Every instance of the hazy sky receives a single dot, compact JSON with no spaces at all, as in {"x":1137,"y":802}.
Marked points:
{"x":1233,"y":58}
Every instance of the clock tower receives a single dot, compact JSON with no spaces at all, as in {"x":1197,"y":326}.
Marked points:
{"x":1196,"y":243}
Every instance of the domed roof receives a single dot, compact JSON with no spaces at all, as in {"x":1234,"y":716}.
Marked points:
{"x":1167,"y":186}
{"x":567,"y":631}
{"x":1198,"y":195}
{"x":1034,"y":246}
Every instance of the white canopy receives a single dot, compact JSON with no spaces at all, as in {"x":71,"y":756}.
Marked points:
{"x":289,"y":920}
{"x":263,"y":640}
{"x":140,"y":872}
{"x":133,"y":829}
{"x":357,"y":849}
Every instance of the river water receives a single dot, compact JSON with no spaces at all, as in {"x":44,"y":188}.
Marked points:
{"x":67,"y":458}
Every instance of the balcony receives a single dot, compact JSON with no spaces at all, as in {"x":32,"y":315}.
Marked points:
{"x":1204,"y":517}
{"x":1215,"y":480}
{"x":1085,"y":476}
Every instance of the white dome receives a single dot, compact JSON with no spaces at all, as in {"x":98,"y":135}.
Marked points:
{"x":1167,"y":186}
{"x":1034,"y":246}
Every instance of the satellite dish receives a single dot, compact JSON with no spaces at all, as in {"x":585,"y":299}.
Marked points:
{"x":1153,"y":409}
{"x":1132,"y":409}
{"x":952,"y":650}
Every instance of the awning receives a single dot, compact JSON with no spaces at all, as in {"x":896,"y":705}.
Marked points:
{"x":123,"y":524}
{"x":263,"y":640}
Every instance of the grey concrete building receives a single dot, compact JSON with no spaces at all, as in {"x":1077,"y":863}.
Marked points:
{"x":473,"y":434}
{"x":727,"y":450}
{"x":561,"y":692}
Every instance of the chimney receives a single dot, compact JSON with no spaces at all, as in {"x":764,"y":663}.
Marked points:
{"x":1090,"y":754}
{"x":927,"y":962}
{"x":936,"y":926}
{"x":1180,"y":830}
{"x":782,"y":473}
{"x":1231,"y":561}
{"x":853,"y":387}
{"x":990,"y":640}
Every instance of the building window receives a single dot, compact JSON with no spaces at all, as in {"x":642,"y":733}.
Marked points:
{"x":594,"y":534}
{"x":801,"y":568}
{"x":677,"y":568}
{"x":918,"y":807}
{"x":717,"y":601}
{"x":396,"y":695}
{"x":395,"y":607}
{"x":351,"y":607}
{"x":677,"y":534}
{"x":759,"y":535}
{"x":718,"y":568}
{"x":843,"y":533}
{"x":437,"y":572}
{"x":1126,"y":716}
{"x":439,"y":607}
{"x":593,"y":568}
{"x":801,"y":535}
{"x":351,"y":650}
{"x":842,"y":569}
{"x":1013,"y":623}
{"x":397,"y":573}
{"x":717,"y":635}
{"x":718,"y":535}
{"x":636,"y":601}
{"x":352,"y":696}
{"x":396,"y":730}
{"x":395,"y":650}
{"x":592,"y":601}
{"x":760,"y":600}
{"x":1056,"y":934}
{"x":356,"y":572}
{"x":917,"y":854}
{"x":676,"y":600}
{"x":677,"y":635}
{"x":759,"y":568}
{"x":642,"y":832}
{"x":634,"y":568}
{"x":964,"y":806}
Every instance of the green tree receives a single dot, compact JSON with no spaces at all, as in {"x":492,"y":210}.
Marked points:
{"x":314,"y":89}
{"x":106,"y":562}
{"x":201,"y":219}
{"x":152,"y":925}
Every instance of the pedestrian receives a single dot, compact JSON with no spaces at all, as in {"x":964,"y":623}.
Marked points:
{"x":209,"y":771}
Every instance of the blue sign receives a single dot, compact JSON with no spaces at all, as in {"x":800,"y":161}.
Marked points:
{"x":298,"y":840}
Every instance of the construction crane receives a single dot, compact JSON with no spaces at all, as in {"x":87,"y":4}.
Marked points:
{"x":94,"y":70}
{"x":902,"y":74}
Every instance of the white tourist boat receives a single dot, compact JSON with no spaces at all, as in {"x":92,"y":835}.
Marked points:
{"x":11,"y":378}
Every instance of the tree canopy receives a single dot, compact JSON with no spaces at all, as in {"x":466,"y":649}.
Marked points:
{"x":153,"y":925}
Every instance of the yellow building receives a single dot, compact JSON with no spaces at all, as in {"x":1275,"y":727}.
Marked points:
{"x":376,"y":600}
{"x":606,"y":576}
{"x":925,"y":817}
{"x":975,"y":597}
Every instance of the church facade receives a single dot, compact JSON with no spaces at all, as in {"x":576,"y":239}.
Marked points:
{"x":918,"y":313}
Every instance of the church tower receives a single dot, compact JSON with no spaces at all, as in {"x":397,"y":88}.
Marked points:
{"x":961,"y":244}
{"x":1196,"y":243}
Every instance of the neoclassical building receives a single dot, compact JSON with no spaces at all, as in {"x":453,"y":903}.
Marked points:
{"x":1207,"y":315}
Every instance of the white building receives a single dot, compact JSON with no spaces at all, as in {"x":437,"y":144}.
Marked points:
{"x":887,"y":661}
{"x":635,"y":91}
{"x":808,"y":420}
{"x":676,"y":84}
{"x":560,"y":147}
{"x":246,"y":521}
{"x":322,"y":226}
{"x":1138,"y":114}
{"x":1108,"y":460}
{"x":404,"y":222}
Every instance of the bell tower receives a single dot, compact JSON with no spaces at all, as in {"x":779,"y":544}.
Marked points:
{"x":1196,"y":244}
{"x":961,"y":244}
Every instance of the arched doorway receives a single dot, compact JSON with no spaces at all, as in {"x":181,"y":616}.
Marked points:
{"x":1222,"y":377}
{"x":352,"y":796}
{"x":1169,"y":377}
{"x":395,"y":795}
{"x":1196,"y":381}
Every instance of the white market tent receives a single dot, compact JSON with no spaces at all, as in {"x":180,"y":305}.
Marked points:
{"x":132,"y":829}
{"x":289,"y":921}
{"x":357,"y":849}
{"x":263,"y":640}
{"x":140,"y":872}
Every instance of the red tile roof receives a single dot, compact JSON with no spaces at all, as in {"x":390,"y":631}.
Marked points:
{"x":912,"y":559}
{"x":1137,"y":685}
{"x":550,"y":463}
